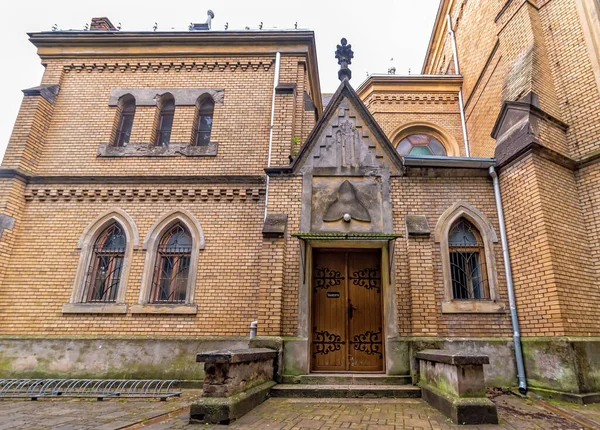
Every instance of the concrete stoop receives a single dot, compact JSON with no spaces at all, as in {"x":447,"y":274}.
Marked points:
{"x":345,"y":391}
{"x":348,"y":379}
{"x":344,"y":386}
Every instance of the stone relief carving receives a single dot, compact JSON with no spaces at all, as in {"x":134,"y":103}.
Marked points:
{"x":346,"y":144}
{"x":346,"y":206}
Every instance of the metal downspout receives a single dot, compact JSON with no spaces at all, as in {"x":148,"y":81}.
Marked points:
{"x":460,"y":97}
{"x":509,"y":285}
{"x":275,"y":83}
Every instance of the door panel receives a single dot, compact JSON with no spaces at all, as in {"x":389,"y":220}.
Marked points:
{"x":365,"y":335}
{"x":329,"y":352}
{"x":346,"y":311}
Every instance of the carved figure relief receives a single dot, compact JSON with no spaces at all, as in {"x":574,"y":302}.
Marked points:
{"x":345,"y":138}
{"x":347,"y":206}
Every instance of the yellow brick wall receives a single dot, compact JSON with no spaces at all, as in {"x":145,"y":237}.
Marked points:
{"x":44,"y":258}
{"x":83,"y":120}
{"x":577,"y":92}
{"x":418,"y":271}
{"x":588,"y":179}
{"x":285,"y":197}
{"x":421,"y":291}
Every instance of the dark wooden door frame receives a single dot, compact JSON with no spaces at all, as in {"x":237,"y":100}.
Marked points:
{"x":345,"y":294}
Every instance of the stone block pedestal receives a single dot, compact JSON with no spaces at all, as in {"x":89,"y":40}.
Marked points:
{"x":235,"y":381}
{"x":453,"y":383}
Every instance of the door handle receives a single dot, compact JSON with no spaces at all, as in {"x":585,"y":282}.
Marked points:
{"x":351,"y":309}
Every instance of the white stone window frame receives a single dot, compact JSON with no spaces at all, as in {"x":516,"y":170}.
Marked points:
{"x":151,"y":242}
{"x":489,"y":238}
{"x":85,"y":245}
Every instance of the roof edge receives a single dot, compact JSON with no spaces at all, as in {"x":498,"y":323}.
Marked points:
{"x":437,"y":26}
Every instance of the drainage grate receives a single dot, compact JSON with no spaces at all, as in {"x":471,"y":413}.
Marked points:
{"x":89,"y":388}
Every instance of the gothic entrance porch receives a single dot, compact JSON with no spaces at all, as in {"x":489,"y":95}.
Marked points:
{"x":347,"y":327}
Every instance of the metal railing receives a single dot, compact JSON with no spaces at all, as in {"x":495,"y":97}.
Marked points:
{"x":89,"y":388}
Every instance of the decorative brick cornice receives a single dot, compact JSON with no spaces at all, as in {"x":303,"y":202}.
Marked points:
{"x":133,"y":180}
{"x":101,"y":193}
{"x":167,"y":66}
{"x":404,"y":98}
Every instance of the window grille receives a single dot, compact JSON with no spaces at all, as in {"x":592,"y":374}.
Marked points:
{"x":467,"y":262}
{"x":204,"y":122}
{"x":104,"y":275}
{"x":125,"y":122}
{"x":171,"y":271}
{"x":165,"y":121}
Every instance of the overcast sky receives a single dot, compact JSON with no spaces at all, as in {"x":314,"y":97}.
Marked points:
{"x":378,"y":30}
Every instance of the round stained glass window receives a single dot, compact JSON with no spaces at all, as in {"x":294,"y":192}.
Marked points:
{"x":420,"y":144}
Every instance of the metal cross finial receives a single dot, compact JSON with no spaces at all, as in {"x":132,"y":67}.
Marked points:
{"x":344,"y":55}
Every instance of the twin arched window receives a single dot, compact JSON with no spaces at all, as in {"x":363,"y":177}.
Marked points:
{"x":169,"y":276}
{"x":202,"y":128}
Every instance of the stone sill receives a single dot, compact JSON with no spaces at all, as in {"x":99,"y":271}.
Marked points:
{"x":150,"y":150}
{"x":94,"y":308}
{"x":175,"y":309}
{"x":472,"y":307}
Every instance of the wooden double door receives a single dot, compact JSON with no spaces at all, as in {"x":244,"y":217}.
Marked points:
{"x":347,"y":333}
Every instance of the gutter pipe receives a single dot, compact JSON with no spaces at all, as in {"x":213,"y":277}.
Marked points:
{"x":275,"y":83}
{"x":509,"y":285}
{"x":460,"y":97}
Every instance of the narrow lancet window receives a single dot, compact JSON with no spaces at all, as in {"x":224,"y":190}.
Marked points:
{"x":126,"y":114}
{"x":165,"y":120}
{"x":467,"y":262}
{"x":204,"y":122}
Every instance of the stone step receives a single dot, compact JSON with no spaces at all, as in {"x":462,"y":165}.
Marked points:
{"x":348,"y":379}
{"x":345,"y":391}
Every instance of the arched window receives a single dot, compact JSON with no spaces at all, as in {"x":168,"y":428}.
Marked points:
{"x":171,"y":271}
{"x":204,"y":120}
{"x":106,"y":266}
{"x":126,"y":114}
{"x":420,"y":144}
{"x":467,"y":262}
{"x":467,"y":240}
{"x":165,"y":119}
{"x":106,"y":250}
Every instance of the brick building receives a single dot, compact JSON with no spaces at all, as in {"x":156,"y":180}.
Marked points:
{"x":162,"y":190}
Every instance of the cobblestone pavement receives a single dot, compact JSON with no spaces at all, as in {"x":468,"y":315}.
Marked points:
{"x":275,"y":413}
{"x":83,"y":414}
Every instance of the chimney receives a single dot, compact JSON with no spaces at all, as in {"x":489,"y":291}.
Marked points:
{"x":102,"y":24}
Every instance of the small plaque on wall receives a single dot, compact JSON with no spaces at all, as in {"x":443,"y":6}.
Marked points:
{"x":333,"y":295}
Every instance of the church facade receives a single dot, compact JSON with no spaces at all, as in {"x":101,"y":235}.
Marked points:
{"x":162,"y":191}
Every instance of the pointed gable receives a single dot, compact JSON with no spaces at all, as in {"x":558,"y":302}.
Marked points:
{"x":347,"y":137}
